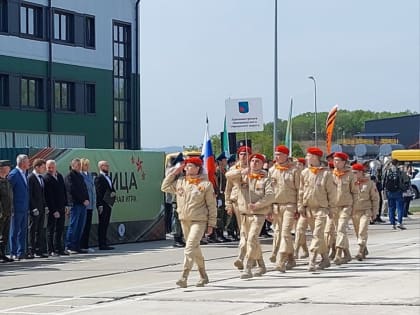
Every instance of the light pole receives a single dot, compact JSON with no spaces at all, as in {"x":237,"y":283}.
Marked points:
{"x":316,"y":134}
{"x":275,"y":79}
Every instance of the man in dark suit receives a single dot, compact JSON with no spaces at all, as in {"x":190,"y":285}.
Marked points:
{"x":19,"y":219}
{"x":56,"y":198}
{"x":38,"y":212}
{"x":78,"y":199}
{"x":105,"y":198}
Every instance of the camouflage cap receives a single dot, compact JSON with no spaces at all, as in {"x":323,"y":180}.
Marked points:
{"x":5,"y":163}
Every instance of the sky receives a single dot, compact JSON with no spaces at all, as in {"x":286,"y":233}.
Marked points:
{"x":195,"y":54}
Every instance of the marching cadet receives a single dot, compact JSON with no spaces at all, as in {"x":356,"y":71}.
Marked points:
{"x":6,"y":199}
{"x":231,"y":201}
{"x":344,"y":181}
{"x":255,"y":196}
{"x":301,"y":223}
{"x":197,"y":210}
{"x":365,"y":207}
{"x":316,"y":198}
{"x":285,"y":180}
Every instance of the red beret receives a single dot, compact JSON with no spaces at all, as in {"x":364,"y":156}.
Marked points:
{"x":302,"y":160}
{"x":244,"y":148}
{"x":358,"y":167}
{"x":341,"y":155}
{"x":315,"y":151}
{"x":282,"y":149}
{"x":257,"y":156}
{"x":194,"y":160}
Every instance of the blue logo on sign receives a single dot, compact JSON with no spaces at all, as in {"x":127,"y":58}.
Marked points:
{"x":243,"y":107}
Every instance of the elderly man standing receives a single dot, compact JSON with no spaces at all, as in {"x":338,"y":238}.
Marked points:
{"x":56,"y":198}
{"x":316,"y":198}
{"x":285,"y":178}
{"x":19,"y":222}
{"x":6,"y":198}
{"x":78,"y":200}
{"x":255,"y":196}
{"x":105,"y":199}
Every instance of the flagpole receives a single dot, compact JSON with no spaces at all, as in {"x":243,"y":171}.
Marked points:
{"x":275,"y":80}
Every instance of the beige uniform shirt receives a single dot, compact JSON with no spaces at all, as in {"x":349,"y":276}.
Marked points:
{"x":231,"y":190}
{"x":286,"y":182}
{"x":344,"y":181}
{"x":196,"y":200}
{"x":367,"y":196}
{"x":317,"y":189}
{"x":257,"y":190}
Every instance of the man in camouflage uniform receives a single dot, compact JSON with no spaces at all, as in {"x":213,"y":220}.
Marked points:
{"x":218,"y":234}
{"x":285,"y":178}
{"x":316,"y":198}
{"x":255,"y":197}
{"x":6,"y":199}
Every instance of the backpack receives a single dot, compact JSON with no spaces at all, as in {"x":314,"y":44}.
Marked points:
{"x":392,"y":180}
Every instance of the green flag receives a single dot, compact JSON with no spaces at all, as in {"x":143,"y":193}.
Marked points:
{"x":225,"y":141}
{"x":288,"y":138}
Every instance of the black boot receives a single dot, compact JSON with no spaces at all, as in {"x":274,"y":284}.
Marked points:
{"x":3,"y":256}
{"x":178,"y":242}
{"x":220,"y":237}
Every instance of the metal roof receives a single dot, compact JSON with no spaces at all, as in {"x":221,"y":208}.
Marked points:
{"x":377,"y":134}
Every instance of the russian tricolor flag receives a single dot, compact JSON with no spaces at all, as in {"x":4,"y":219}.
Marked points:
{"x":209,"y":164}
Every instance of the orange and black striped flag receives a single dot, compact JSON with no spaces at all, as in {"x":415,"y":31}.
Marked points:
{"x":330,"y":126}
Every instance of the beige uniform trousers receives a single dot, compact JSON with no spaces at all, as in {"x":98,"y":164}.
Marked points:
{"x":331,"y":230}
{"x":317,"y":219}
{"x":344,"y":215}
{"x":361,"y":219}
{"x":242,"y":236}
{"x":251,"y":226}
{"x":193,"y":232}
{"x":300,"y":233}
{"x":283,"y":222}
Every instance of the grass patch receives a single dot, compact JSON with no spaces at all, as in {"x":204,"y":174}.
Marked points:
{"x":415,"y":208}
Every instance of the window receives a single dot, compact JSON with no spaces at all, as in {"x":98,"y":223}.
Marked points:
{"x":4,"y":89}
{"x":90,"y":98}
{"x":121,"y":78}
{"x":64,"y":96}
{"x":90,"y":32}
{"x":3,"y":16}
{"x":31,"y":93}
{"x":63,"y":27}
{"x":31,"y":21}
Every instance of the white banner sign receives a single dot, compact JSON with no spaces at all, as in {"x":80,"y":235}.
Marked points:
{"x":244,"y":115}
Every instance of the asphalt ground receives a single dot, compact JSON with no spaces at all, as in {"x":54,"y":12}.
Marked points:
{"x":140,"y":279}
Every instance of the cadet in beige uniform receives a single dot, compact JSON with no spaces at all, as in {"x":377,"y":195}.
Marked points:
{"x":197,"y":210}
{"x":231,"y":200}
{"x":301,"y":224}
{"x":316,"y":198}
{"x":365,"y":207}
{"x":255,"y":197}
{"x":344,"y":181}
{"x":285,"y":177}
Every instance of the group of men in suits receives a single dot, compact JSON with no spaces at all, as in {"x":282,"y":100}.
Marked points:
{"x":34,"y":208}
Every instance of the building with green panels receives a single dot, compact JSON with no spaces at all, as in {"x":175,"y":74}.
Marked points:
{"x":69,"y":74}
